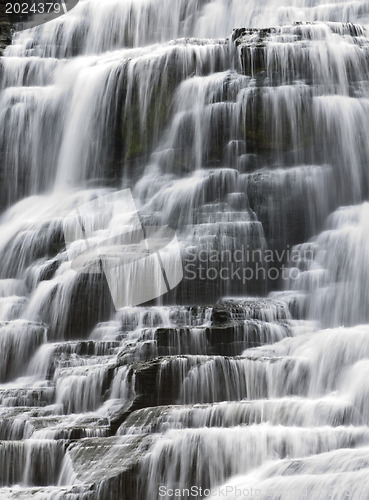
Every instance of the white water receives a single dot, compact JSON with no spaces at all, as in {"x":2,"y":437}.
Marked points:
{"x":260,"y":142}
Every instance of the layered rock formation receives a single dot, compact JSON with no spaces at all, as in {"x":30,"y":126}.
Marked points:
{"x":252,"y":146}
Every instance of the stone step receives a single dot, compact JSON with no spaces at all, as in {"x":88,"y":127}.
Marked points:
{"x":293,"y":411}
{"x":27,"y":396}
{"x":229,"y":339}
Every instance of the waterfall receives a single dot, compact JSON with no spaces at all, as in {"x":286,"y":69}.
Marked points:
{"x":184,"y":193}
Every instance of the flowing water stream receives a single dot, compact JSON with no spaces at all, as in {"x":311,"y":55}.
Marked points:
{"x":242,"y":125}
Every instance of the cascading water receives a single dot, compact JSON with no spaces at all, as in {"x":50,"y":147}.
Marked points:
{"x":243,"y":126}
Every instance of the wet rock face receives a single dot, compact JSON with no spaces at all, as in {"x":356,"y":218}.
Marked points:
{"x":18,"y":340}
{"x":110,"y":465}
{"x":76,"y":418}
{"x":234,"y":325}
{"x":177,"y":406}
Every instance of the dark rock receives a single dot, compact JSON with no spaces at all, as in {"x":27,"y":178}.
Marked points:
{"x":5,"y":28}
{"x":109,"y":465}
